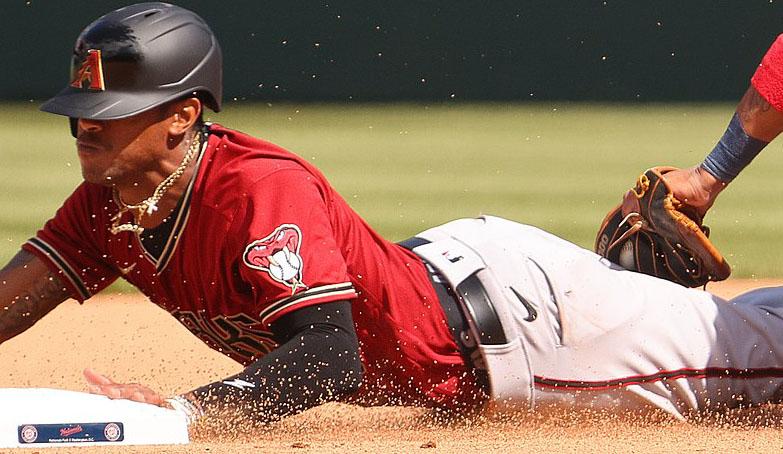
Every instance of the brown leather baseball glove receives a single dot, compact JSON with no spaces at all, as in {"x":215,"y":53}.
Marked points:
{"x":654,"y":233}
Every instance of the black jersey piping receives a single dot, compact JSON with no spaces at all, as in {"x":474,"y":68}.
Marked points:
{"x":180,"y":221}
{"x":344,"y":289}
{"x":62,"y":264}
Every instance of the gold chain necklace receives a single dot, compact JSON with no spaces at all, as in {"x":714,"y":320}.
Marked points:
{"x":150,"y":204}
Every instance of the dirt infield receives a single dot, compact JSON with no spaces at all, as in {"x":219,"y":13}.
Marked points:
{"x":132,"y":340}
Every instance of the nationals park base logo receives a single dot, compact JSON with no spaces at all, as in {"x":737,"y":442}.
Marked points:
{"x":278,"y":255}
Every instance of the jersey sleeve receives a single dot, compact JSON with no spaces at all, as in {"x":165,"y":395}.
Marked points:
{"x":768,"y":78}
{"x":290,"y":256}
{"x":69,"y":243}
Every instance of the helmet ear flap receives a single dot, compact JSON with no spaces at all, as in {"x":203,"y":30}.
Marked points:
{"x":74,"y":126}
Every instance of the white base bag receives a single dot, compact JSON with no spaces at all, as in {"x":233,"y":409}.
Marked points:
{"x":42,"y":417}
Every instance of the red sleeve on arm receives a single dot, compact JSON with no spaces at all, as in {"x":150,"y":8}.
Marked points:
{"x":290,"y":255}
{"x":768,"y":79}
{"x":70,"y":244}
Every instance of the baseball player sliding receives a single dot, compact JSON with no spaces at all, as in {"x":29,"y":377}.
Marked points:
{"x":249,"y":247}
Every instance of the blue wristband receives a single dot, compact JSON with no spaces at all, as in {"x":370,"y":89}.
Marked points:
{"x":733,"y":152}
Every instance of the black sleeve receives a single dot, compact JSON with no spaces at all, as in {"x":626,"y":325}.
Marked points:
{"x":317,"y":362}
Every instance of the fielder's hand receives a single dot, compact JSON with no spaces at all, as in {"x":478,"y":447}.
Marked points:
{"x":101,"y":384}
{"x":653,"y":232}
{"x":694,"y":187}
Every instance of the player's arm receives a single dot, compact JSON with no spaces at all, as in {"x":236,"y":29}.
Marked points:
{"x":28,"y":291}
{"x":317,"y":362}
{"x":757,"y":121}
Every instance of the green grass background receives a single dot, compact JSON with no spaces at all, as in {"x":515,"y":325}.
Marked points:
{"x":405,"y":167}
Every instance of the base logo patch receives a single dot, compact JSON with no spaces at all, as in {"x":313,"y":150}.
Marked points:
{"x":28,"y":434}
{"x":100,"y":432}
{"x":278,"y":255}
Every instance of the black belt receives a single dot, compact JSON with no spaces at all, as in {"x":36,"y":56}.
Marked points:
{"x":475,"y":304}
{"x":474,"y":298}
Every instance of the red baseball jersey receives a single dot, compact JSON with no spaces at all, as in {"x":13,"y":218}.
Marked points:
{"x":260,"y":233}
{"x":768,"y":78}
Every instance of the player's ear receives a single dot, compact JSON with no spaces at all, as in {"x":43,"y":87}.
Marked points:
{"x":184,"y":114}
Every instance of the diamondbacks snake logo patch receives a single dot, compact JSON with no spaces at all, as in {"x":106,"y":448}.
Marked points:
{"x":278,"y":255}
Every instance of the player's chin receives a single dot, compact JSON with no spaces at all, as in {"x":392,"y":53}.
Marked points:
{"x":96,"y":176}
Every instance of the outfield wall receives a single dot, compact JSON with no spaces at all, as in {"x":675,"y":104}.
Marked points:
{"x":436,"y":50}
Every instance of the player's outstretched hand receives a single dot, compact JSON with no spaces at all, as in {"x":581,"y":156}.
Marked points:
{"x":101,"y":384}
{"x":694,"y":187}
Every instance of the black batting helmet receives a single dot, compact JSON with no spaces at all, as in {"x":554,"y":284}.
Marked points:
{"x":139,"y":57}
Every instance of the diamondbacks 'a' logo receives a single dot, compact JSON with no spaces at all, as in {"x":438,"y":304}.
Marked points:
{"x":91,"y":72}
{"x":278,"y":255}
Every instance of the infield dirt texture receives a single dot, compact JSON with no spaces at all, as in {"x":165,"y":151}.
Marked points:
{"x":134,"y":341}
{"x":404,"y":168}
